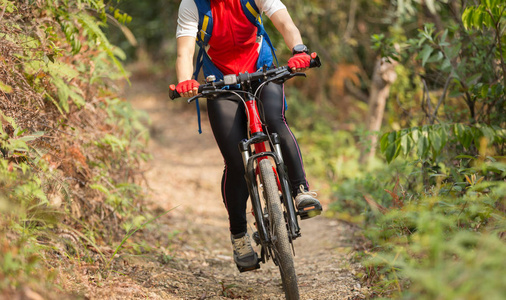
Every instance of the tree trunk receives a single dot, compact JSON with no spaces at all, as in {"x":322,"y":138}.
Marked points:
{"x":383,"y":76}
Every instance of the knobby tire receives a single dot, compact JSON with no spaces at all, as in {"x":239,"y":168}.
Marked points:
{"x":279,"y":234}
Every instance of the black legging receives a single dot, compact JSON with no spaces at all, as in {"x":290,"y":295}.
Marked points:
{"x":229,"y":124}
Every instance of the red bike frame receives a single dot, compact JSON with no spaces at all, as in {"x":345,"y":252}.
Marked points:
{"x":258,"y":141}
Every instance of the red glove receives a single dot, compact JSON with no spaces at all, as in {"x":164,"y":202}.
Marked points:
{"x":186,"y":86}
{"x":299,"y":61}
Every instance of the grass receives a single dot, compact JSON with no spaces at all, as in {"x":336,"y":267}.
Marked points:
{"x":132,"y":232}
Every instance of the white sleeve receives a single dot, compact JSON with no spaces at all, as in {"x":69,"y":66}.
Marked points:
{"x":269,"y":6}
{"x":188,"y":19}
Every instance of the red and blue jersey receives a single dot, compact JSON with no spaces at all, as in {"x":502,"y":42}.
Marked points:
{"x":235,"y":44}
{"x":233,"y":47}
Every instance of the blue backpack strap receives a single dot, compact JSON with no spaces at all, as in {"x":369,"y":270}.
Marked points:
{"x":205,"y":22}
{"x":254,"y":16}
{"x":203,"y":35}
{"x":195,"y":76}
{"x":205,"y":29}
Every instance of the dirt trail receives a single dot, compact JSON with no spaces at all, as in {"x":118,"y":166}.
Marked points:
{"x":186,"y":173}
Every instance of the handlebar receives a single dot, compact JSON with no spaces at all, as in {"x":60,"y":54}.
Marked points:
{"x":280,"y":74}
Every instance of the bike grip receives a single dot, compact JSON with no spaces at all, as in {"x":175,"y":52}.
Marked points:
{"x":173,"y":94}
{"x":315,"y":61}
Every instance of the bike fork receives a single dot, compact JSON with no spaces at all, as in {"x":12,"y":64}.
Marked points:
{"x":250,"y":176}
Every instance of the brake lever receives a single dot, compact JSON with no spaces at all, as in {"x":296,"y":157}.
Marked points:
{"x":194,"y":98}
{"x":298,"y":74}
{"x":204,"y":94}
{"x":281,"y":78}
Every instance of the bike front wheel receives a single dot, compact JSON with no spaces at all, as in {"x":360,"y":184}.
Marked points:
{"x":282,"y":249}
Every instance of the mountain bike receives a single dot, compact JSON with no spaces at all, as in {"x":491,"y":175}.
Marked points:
{"x":265,"y":173}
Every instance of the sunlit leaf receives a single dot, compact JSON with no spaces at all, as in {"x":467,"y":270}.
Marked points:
{"x":423,"y":144}
{"x":5,"y":88}
{"x":435,"y":140}
{"x":391,"y":147}
{"x":425,"y":53}
{"x":405,"y":144}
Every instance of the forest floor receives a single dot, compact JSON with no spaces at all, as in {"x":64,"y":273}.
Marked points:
{"x":187,"y":254}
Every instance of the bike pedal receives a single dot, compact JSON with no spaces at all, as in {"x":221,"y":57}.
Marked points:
{"x":310,"y":211}
{"x":251,"y":268}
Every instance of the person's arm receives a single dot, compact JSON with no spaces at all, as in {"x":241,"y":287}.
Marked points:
{"x":284,"y":24}
{"x":184,"y":62}
{"x":187,"y":27}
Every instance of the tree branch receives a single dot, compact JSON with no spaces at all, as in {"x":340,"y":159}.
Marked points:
{"x":443,"y":96}
{"x":3,"y":11}
{"x":356,"y":92}
{"x":470,"y":103}
{"x":426,"y":91}
{"x":498,"y":38}
{"x":435,"y":17}
{"x":351,"y":20}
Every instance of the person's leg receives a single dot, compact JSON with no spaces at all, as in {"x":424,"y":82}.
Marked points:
{"x":273,"y":109}
{"x":228,"y":123}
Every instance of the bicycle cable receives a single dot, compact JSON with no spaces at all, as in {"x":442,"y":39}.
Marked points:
{"x":245,"y":107}
{"x":260,"y":87}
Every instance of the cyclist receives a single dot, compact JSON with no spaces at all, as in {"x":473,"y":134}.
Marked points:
{"x":234,"y":48}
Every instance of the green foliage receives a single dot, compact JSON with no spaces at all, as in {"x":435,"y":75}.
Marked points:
{"x":457,"y":64}
{"x":25,"y":215}
{"x":24,"y":209}
{"x":138,"y":224}
{"x":41,"y":52}
{"x":489,"y":14}
{"x":70,"y":148}
{"x":96,"y":35}
{"x":153,"y":24}
{"x":435,"y":215}
{"x":427,"y":142}
{"x":19,"y":262}
{"x":321,"y":141}
{"x":354,"y":192}
{"x":441,"y":237}
{"x":121,"y":148}
{"x":443,"y":247}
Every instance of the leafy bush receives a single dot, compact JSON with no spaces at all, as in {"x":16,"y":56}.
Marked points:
{"x":430,"y":140}
{"x":71,"y":149}
{"x":442,"y":234}
{"x":442,"y":247}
